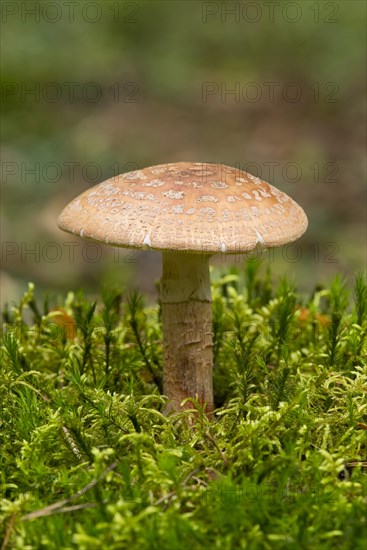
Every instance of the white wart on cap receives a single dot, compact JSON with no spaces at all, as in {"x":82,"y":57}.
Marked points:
{"x":186,"y":206}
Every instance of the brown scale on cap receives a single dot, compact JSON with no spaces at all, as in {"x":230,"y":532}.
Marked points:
{"x":193,"y":207}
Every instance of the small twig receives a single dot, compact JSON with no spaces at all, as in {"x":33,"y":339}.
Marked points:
{"x":9,"y":530}
{"x":72,"y":508}
{"x":223,"y":456}
{"x":165,"y":497}
{"x":200,"y":481}
{"x":355,"y":463}
{"x":190,"y":475}
{"x":173,"y":493}
{"x":361,"y":426}
{"x":48,"y":510}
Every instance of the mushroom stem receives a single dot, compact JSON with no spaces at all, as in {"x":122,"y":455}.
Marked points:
{"x":187,"y":329}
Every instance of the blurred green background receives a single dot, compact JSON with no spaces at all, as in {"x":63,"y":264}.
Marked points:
{"x":91,"y":89}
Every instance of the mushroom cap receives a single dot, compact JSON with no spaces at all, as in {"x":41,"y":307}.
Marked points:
{"x":186,"y":206}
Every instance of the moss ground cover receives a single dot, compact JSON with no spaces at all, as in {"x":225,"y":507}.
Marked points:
{"x":89,"y":460}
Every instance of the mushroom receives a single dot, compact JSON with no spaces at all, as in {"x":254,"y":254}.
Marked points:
{"x":189,"y":211}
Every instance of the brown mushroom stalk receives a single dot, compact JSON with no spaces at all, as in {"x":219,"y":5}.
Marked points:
{"x":187,"y":329}
{"x":189,"y":211}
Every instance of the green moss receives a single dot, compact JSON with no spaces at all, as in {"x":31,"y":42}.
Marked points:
{"x":88,"y":459}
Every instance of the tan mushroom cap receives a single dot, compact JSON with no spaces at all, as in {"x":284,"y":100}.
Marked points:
{"x":186,"y":206}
